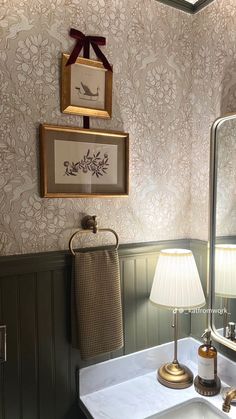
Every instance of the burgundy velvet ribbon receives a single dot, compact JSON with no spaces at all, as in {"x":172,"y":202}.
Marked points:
{"x":83,"y":41}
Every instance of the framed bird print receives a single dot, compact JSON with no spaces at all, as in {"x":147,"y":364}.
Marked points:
{"x":86,"y":88}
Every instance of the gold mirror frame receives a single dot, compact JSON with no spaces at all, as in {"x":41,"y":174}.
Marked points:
{"x":212,"y":229}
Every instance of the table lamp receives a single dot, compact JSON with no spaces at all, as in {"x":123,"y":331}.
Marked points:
{"x":225,"y":274}
{"x":176,"y":286}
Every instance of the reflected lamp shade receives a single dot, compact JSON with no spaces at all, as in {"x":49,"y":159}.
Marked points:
{"x":176,"y":282}
{"x":225,"y":270}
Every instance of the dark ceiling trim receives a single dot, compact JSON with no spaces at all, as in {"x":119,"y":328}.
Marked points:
{"x":179,"y":4}
{"x":200,"y":4}
{"x":185,"y":6}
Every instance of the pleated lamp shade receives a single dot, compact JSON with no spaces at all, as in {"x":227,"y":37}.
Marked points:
{"x":176,"y":282}
{"x":225,"y":270}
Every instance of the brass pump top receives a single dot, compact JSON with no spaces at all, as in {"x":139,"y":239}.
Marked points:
{"x":206,"y":336}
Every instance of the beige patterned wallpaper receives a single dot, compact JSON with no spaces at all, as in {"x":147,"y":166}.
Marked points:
{"x":226,"y":179}
{"x":213,"y":95}
{"x":150,"y":47}
{"x":173,"y":74}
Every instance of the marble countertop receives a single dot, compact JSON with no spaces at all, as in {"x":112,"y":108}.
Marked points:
{"x":127,"y":387}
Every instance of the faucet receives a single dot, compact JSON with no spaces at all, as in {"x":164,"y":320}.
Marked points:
{"x":230,"y":395}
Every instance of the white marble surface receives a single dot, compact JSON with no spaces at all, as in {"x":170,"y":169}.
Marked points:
{"x":127,"y":387}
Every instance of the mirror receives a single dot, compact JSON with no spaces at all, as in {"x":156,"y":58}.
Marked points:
{"x":222,"y":252}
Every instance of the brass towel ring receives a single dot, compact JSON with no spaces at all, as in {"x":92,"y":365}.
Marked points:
{"x":90,"y":230}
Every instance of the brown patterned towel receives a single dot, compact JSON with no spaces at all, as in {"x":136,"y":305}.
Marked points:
{"x":96,"y":303}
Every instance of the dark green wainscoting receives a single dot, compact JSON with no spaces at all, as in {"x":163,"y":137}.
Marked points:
{"x":38,"y":379}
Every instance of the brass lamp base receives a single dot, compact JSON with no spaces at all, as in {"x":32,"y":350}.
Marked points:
{"x":175,"y":375}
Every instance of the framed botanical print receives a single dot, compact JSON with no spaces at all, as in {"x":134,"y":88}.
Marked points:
{"x":77,"y":162}
{"x":86,"y":88}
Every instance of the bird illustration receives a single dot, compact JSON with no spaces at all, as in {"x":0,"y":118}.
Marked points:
{"x":87,"y":92}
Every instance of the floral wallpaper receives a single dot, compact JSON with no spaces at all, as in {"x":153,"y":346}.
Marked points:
{"x":226,"y":179}
{"x":174,"y":73}
{"x":213,"y":95}
{"x":150,"y":47}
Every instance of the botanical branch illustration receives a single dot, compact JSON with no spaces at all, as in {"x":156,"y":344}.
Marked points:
{"x":90,"y":163}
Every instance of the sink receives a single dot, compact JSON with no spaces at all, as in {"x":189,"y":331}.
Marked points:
{"x":194,"y":409}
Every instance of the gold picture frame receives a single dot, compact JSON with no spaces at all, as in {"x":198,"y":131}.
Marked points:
{"x":82,"y":163}
{"x":86,"y":88}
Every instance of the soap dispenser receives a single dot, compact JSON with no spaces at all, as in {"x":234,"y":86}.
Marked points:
{"x":207,"y":383}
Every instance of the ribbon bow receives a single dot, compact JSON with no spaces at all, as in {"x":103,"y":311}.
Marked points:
{"x":84,"y":42}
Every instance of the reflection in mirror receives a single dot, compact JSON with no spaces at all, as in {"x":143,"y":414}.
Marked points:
{"x":225,"y":229}
{"x":225,"y":284}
